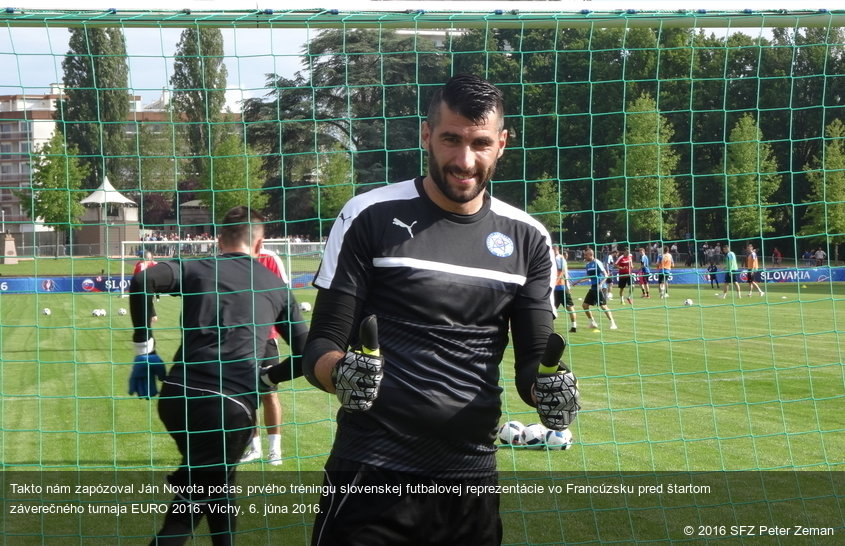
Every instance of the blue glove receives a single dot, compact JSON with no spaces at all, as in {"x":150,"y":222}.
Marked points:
{"x":147,"y":367}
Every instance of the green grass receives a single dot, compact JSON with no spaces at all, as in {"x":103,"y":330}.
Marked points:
{"x":748,"y":384}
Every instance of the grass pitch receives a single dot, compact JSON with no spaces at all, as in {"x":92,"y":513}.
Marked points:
{"x":722,"y":385}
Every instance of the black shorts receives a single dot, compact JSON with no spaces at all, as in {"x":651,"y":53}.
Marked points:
{"x":211,"y":432}
{"x":388,"y":519}
{"x":563,"y":297}
{"x":662,"y":278}
{"x":731,"y":276}
{"x":752,"y":276}
{"x":595,"y":297}
{"x":624,"y":281}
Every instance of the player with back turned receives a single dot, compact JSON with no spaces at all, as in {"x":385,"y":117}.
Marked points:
{"x":209,"y":398}
{"x":446,"y":269}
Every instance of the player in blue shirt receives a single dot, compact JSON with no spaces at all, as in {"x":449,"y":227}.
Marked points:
{"x":597,"y":275}
{"x":644,"y":273}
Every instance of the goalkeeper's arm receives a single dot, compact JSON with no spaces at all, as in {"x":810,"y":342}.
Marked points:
{"x":332,"y":323}
{"x":353,"y":375}
{"x":530,"y":329}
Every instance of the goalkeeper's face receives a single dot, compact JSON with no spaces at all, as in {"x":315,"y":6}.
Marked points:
{"x":462,"y":155}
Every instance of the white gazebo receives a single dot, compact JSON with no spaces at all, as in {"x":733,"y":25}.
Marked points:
{"x":110,"y":217}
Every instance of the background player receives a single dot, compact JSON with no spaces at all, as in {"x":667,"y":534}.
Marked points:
{"x":563,"y":294}
{"x":596,"y":275}
{"x":665,"y":271}
{"x":610,"y":268}
{"x":447,"y":269}
{"x":209,"y":398}
{"x":625,"y":266}
{"x":269,"y":399}
{"x":752,"y":266}
{"x":731,"y":272}
{"x":712,"y":273}
{"x":644,"y":274}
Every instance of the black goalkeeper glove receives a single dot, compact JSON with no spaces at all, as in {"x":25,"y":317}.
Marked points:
{"x":556,"y":387}
{"x":357,"y":376}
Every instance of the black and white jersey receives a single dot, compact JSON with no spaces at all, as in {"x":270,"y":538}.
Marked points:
{"x":230,"y":303}
{"x":444,"y":287}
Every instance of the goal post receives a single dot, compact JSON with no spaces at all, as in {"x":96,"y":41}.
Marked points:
{"x":301,"y":258}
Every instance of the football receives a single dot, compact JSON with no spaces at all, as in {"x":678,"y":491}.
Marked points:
{"x":46,"y":311}
{"x":305,"y":307}
{"x":559,"y":439}
{"x":511,"y":433}
{"x":534,"y":436}
{"x":687,"y":302}
{"x":121,"y":311}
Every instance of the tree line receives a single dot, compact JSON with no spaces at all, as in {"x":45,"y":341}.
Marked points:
{"x":636,"y":134}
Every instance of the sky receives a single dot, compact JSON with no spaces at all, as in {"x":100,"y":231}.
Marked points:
{"x":31,"y":59}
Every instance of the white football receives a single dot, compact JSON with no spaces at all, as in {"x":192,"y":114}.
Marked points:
{"x":534,"y":436}
{"x":305,"y":307}
{"x":688,"y":302}
{"x":95,"y":313}
{"x":511,"y":433}
{"x":46,"y":311}
{"x":102,"y":312}
{"x":559,"y":439}
{"x":121,"y":311}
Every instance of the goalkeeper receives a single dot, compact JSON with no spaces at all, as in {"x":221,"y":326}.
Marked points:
{"x":447,"y":270}
{"x":209,"y":399}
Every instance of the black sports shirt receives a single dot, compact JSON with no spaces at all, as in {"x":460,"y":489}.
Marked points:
{"x":444,"y":288}
{"x":229,"y":303}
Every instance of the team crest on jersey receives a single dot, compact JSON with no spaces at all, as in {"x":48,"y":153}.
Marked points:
{"x":499,"y":244}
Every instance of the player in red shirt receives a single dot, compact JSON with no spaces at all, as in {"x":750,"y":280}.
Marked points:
{"x":625,"y":266}
{"x":269,"y":400}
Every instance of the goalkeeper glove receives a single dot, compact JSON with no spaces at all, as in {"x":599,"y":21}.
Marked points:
{"x":556,"y":387}
{"x":357,"y":376}
{"x":147,"y":367}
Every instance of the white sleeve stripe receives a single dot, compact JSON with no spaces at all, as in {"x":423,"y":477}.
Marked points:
{"x":450,"y":268}
{"x":400,"y":191}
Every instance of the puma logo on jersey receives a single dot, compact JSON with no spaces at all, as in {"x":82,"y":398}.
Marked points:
{"x":400,"y":223}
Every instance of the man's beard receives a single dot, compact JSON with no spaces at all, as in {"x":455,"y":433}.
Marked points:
{"x":438,"y":175}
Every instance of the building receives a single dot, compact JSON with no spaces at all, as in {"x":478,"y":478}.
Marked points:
{"x":26,"y":123}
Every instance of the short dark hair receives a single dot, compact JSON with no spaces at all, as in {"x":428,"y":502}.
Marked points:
{"x":241,"y":225}
{"x":470,"y":96}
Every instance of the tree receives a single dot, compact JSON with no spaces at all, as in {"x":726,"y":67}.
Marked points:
{"x":96,"y":105}
{"x":751,"y":180}
{"x":336,"y":183}
{"x":56,"y":180}
{"x":642,"y":194}
{"x":824,"y":220}
{"x":199,"y":91}
{"x":232,"y":177}
{"x":157,"y":171}
{"x":546,"y":205}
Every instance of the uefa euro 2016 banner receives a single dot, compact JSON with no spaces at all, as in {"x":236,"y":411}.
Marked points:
{"x":58,"y":285}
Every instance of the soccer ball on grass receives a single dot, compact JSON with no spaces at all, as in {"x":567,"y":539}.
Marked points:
{"x":534,"y":436}
{"x":46,"y":311}
{"x":688,"y":302}
{"x":511,"y":433}
{"x":559,"y":439}
{"x":121,"y":311}
{"x":305,"y":307}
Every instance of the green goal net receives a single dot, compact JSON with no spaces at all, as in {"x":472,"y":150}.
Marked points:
{"x":709,"y":413}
